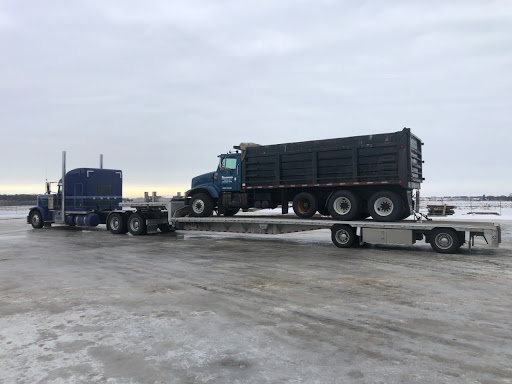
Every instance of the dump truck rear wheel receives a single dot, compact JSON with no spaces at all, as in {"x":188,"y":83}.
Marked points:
{"x":201,"y":205}
{"x":305,"y":205}
{"x":385,"y":206}
{"x":344,"y":205}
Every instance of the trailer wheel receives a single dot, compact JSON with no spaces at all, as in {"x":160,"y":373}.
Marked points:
{"x":444,"y":240}
{"x":343,"y":236}
{"x":305,"y":205}
{"x":385,"y":206}
{"x":344,"y":205}
{"x":137,"y":224}
{"x":201,"y":205}
{"x":116,"y":223}
{"x":36,"y":219}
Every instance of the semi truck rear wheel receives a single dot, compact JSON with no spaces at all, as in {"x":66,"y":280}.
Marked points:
{"x":117,"y":223}
{"x":344,"y":205}
{"x":343,"y":236}
{"x":201,"y":205}
{"x":385,"y":206}
{"x":305,"y":205}
{"x":36,"y":219}
{"x":137,"y":224}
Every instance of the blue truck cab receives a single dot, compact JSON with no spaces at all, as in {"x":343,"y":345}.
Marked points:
{"x":212,"y":190}
{"x":90,"y":195}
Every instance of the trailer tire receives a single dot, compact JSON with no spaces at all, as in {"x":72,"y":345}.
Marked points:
{"x":201,"y":205}
{"x":444,"y":240}
{"x":343,"y":236}
{"x":116,"y":223}
{"x":36,"y":219}
{"x":305,"y":205}
{"x":386,"y":206}
{"x":231,"y":212}
{"x":137,"y":224}
{"x":344,"y":205}
{"x":322,"y":208}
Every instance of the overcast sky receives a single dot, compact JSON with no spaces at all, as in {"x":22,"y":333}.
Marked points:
{"x":162,"y":87}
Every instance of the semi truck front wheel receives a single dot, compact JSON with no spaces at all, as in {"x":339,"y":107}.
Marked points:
{"x":36,"y":219}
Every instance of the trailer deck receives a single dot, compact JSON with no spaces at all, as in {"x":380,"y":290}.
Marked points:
{"x":444,"y":236}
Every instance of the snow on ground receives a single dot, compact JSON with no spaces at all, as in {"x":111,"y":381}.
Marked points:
{"x":13,"y":212}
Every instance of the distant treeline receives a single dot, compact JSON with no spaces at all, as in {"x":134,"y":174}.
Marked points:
{"x":476,"y":198}
{"x":17,"y":200}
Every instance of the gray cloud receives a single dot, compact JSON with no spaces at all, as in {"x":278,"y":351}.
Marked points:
{"x":163,"y":87}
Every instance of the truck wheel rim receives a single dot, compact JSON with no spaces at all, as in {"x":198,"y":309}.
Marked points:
{"x":114,"y":223}
{"x":198,"y":206}
{"x":135,"y":225}
{"x":35,"y":219}
{"x":342,"y":205}
{"x":383,"y":206}
{"x":304,"y":205}
{"x":342,"y":236}
{"x":444,"y":241}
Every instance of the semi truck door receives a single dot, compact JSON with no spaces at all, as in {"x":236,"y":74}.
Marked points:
{"x":228,"y":174}
{"x":79,"y":195}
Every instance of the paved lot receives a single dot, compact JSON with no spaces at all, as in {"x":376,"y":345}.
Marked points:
{"x":87,"y":306}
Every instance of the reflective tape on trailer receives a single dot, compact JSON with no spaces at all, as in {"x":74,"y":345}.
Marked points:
{"x":352,"y":183}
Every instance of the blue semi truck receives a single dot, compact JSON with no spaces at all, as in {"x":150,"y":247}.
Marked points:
{"x":85,"y":198}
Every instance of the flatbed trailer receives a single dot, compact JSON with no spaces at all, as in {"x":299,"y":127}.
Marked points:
{"x":166,"y":215}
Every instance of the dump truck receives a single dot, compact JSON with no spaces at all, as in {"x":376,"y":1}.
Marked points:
{"x":347,"y":178}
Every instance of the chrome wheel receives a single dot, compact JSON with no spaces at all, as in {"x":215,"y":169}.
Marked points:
{"x":342,"y":205}
{"x":444,"y":240}
{"x":198,"y":207}
{"x":115,"y":223}
{"x":342,"y":236}
{"x":135,"y":224}
{"x":36,"y":220}
{"x":383,"y":206}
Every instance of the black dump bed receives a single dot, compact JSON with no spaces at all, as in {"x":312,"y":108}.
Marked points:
{"x":389,"y":157}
